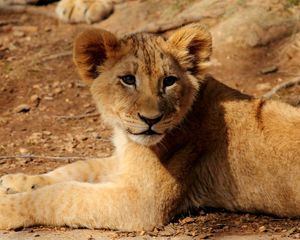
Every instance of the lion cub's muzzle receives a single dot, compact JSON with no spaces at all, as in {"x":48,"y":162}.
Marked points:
{"x":150,"y":122}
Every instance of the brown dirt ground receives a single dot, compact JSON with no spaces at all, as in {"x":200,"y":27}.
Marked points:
{"x":37,"y":70}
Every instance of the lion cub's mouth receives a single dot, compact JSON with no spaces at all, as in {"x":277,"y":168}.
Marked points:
{"x":147,"y":138}
{"x":148,"y":132}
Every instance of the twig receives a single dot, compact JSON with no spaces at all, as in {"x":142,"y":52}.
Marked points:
{"x":29,"y":9}
{"x":79,"y":116}
{"x":52,"y":158}
{"x":7,"y":22}
{"x":275,"y":89}
{"x":57,"y":55}
{"x":163,"y":27}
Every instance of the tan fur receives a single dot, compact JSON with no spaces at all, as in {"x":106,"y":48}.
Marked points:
{"x":89,"y":11}
{"x":75,"y":11}
{"x":217,"y":147}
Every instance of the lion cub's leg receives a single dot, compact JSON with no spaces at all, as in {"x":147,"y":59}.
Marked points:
{"x":77,"y":204}
{"x":83,"y":171}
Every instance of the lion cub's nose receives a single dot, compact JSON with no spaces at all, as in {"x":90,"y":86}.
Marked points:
{"x":150,"y":121}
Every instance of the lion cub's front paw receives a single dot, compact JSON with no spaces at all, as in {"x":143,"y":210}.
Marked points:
{"x":84,"y":10}
{"x":15,"y":183}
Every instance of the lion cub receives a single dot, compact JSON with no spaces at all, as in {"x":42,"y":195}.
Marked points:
{"x":182,"y":140}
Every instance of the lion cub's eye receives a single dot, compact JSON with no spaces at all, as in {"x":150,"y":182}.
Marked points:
{"x":128,"y":79}
{"x":169,"y":81}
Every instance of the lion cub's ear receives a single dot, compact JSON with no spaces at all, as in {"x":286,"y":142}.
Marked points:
{"x":192,"y":47}
{"x":91,"y":49}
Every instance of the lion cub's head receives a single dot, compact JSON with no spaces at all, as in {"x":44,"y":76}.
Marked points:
{"x":142,"y":83}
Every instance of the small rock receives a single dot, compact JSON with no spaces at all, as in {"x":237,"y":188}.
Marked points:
{"x":262,"y":229}
{"x":96,"y":135}
{"x":270,"y":69}
{"x":58,"y":90}
{"x":82,"y":137}
{"x":87,"y":105}
{"x":55,"y":84}
{"x":37,"y":86}
{"x":291,"y":231}
{"x":12,"y":58}
{"x":48,"y":29}
{"x":34,"y":138}
{"x":34,"y":98}
{"x":80,"y":85}
{"x":131,"y":235}
{"x":263,"y":86}
{"x":28,"y":39}
{"x":47,"y":133}
{"x":12,"y":47}
{"x":23,"y":151}
{"x":90,"y":129}
{"x":22,"y":108}
{"x":187,"y":220}
{"x":3,"y":120}
{"x":18,"y":34}
{"x":48,"y":98}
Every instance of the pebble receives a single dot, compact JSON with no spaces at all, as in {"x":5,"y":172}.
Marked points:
{"x":55,"y":84}
{"x":262,"y":229}
{"x":12,"y":47}
{"x":23,"y":151}
{"x":3,"y":121}
{"x":48,"y":98}
{"x":82,"y":137}
{"x":87,"y":105}
{"x":46,"y":145}
{"x":28,"y":39}
{"x":48,"y":29}
{"x":263,"y":86}
{"x":187,"y":220}
{"x":38,"y":86}
{"x":291,"y":231}
{"x":47,"y":133}
{"x":22,"y":108}
{"x":96,"y":135}
{"x":90,"y":129}
{"x":270,"y":69}
{"x":34,"y":98}
{"x":35,"y":137}
{"x":18,"y":34}
{"x":10,"y":59}
{"x":58,"y":90}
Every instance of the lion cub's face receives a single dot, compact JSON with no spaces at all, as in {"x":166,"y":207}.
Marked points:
{"x":143,"y":84}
